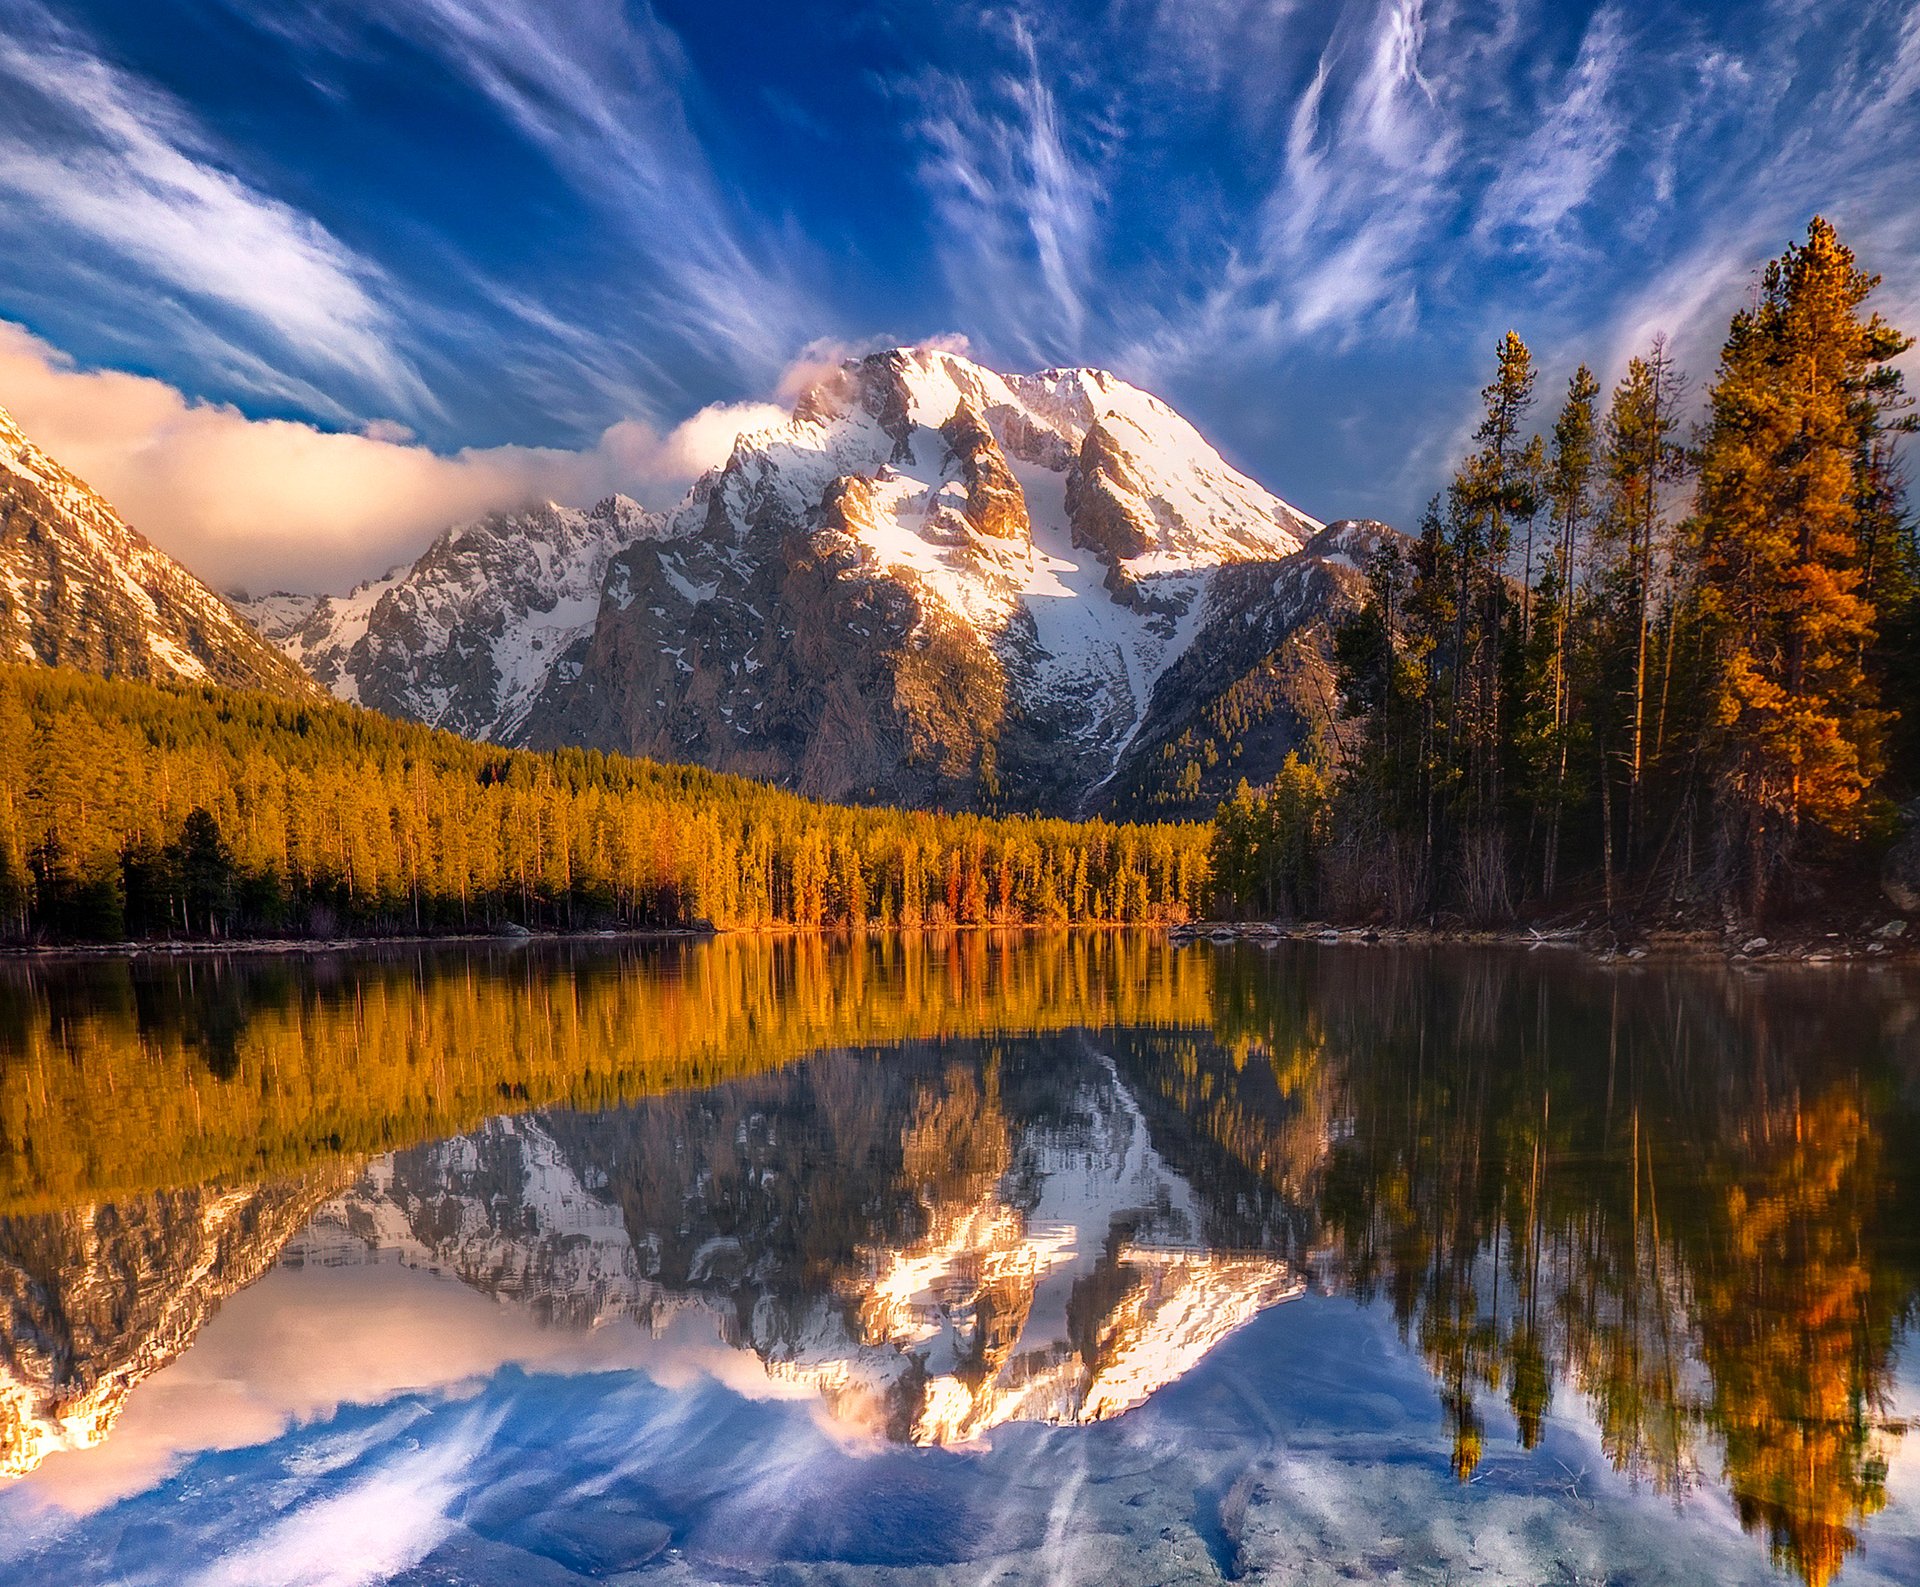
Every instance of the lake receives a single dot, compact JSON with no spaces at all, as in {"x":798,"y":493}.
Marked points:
{"x":983,"y":1259}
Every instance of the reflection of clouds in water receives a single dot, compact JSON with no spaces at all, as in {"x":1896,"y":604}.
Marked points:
{"x":1899,"y":1554}
{"x":1310,"y":1444}
{"x":298,"y":1345}
{"x":388,"y":1520}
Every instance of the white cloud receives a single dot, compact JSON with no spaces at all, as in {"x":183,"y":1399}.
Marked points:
{"x":114,"y":164}
{"x":1552,"y":174}
{"x":270,"y":503}
{"x":1367,"y":174}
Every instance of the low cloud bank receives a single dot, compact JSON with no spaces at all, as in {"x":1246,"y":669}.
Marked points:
{"x":264,"y":504}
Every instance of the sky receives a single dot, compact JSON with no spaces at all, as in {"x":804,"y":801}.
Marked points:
{"x":297,"y":284}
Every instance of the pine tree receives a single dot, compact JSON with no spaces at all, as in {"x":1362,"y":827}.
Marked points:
{"x":1642,"y":458}
{"x":1570,"y":486}
{"x":1804,"y":385}
{"x":1497,"y":488}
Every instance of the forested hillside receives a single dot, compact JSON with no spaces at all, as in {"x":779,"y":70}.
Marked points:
{"x":1627,"y":666}
{"x":128,"y":809}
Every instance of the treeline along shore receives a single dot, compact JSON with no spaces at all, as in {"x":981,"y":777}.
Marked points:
{"x":129,"y":810}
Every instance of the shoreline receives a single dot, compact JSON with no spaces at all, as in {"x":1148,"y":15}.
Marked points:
{"x":1876,"y":945}
{"x":206,"y":947}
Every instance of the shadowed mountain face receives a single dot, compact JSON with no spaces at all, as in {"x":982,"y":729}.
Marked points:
{"x":78,"y":588}
{"x":1674,"y":1211}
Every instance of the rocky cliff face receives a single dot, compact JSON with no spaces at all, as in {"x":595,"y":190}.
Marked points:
{"x":492,"y":612}
{"x":934,"y":585}
{"x":78,"y":588}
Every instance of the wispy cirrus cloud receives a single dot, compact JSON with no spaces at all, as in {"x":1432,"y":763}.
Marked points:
{"x":602,"y":90}
{"x":103,"y":164}
{"x":1015,"y":202}
{"x":1369,"y":148}
{"x":1555,"y":169}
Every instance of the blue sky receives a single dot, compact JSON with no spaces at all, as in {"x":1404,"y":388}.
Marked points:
{"x":515,"y":223}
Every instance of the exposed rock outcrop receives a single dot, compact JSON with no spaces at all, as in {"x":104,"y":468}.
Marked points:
{"x":467,"y":636}
{"x":891,"y":598}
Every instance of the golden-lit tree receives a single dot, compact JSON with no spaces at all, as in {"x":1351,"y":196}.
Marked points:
{"x":1803,"y":378}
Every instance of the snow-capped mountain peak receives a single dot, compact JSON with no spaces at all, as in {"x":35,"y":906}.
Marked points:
{"x":933,"y":583}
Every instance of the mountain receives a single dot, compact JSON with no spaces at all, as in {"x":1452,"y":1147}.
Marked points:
{"x":932,"y":585}
{"x":78,"y":588}
{"x":1257,"y":681}
{"x":465,"y":638}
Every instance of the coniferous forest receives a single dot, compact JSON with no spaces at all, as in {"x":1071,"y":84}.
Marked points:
{"x":1632,"y":664}
{"x":130,"y":810}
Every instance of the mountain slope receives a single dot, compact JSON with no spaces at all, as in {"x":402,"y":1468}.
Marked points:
{"x":1257,"y":681}
{"x":935,"y":585}
{"x":468,"y":635}
{"x":78,"y":588}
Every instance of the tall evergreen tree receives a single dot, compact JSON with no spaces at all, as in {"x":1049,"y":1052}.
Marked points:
{"x":1805,"y":386}
{"x":1570,"y":484}
{"x":1642,"y":457}
{"x":1497,"y":488}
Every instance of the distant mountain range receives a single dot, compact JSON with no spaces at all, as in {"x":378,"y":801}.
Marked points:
{"x":932,"y":585}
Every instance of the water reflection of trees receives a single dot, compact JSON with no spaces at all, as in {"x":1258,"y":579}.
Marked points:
{"x":1685,"y":1196}
{"x":1679,"y":1194}
{"x":123,"y":1076}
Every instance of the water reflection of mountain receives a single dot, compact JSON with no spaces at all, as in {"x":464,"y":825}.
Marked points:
{"x":938,"y":1241}
{"x":1679,"y":1202}
{"x":95,"y":1300}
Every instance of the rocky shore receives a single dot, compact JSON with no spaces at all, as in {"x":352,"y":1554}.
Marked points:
{"x":1883,"y":940}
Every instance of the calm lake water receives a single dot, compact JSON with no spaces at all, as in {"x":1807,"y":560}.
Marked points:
{"x":1078,"y":1259}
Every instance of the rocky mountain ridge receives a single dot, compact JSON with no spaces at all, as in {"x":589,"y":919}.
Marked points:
{"x":468,"y":635}
{"x":79,"y":588}
{"x":935,"y":585}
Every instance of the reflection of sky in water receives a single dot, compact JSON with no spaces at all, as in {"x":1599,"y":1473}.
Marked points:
{"x":370,"y":1423}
